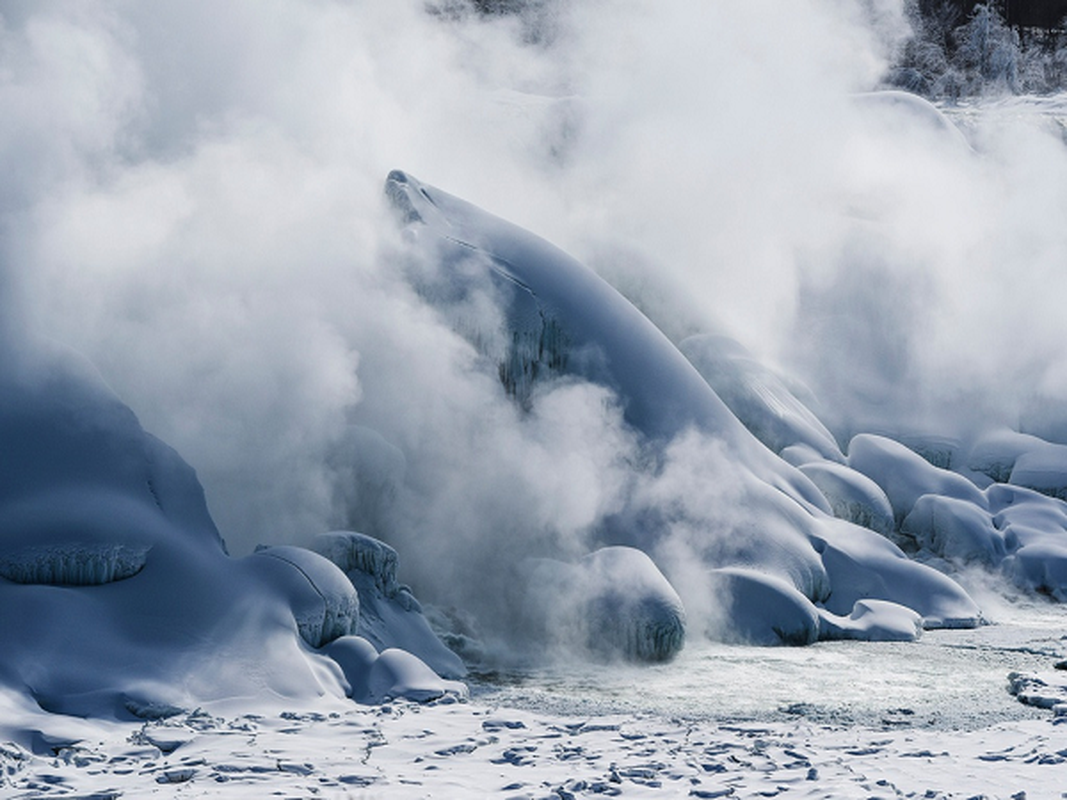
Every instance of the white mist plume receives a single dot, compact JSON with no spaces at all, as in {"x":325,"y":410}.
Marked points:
{"x":194,"y":200}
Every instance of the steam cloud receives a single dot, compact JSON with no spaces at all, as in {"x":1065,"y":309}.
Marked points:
{"x":192,"y":197}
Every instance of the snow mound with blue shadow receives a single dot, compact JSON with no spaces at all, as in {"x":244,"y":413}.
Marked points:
{"x":117,"y":596}
{"x":612,"y":603}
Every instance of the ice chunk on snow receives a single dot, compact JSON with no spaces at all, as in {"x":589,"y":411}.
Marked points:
{"x":757,"y":396}
{"x":392,"y":675}
{"x":389,"y":615}
{"x":324,"y":602}
{"x":756,"y":608}
{"x":955,"y":530}
{"x":613,"y":602}
{"x":905,"y":476}
{"x":872,"y":620}
{"x":852,"y":495}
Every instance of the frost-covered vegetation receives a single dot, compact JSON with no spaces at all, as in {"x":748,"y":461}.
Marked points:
{"x":955,"y":54}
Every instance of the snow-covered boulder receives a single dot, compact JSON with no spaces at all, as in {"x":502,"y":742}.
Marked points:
{"x":389,"y":615}
{"x":955,"y":530}
{"x":852,"y":495}
{"x":325,"y":604}
{"x":995,"y":453}
{"x":873,"y":621}
{"x":1043,"y":469}
{"x":1040,"y":567}
{"x":755,"y":608}
{"x":587,"y":328}
{"x":905,"y":476}
{"x":372,"y":677}
{"x":614,"y":602}
{"x":862,"y":565}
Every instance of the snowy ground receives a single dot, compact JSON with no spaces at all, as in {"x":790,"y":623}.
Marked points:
{"x":836,"y":720}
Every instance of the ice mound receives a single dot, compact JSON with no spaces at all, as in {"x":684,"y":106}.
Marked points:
{"x":758,"y":397}
{"x":1043,"y":469}
{"x":852,"y":495}
{"x":389,"y":615}
{"x":118,"y":598}
{"x":1041,"y":567}
{"x":779,"y":547}
{"x":608,"y":341}
{"x":325,"y":604}
{"x":872,"y":620}
{"x":391,"y":675}
{"x":614,"y":602}
{"x":994,"y":454}
{"x":756,"y":608}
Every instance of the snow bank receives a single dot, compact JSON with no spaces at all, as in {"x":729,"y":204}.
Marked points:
{"x":953,"y":529}
{"x":863,"y":565}
{"x":325,"y":604}
{"x":1043,"y":469}
{"x":118,"y":597}
{"x":756,"y":608}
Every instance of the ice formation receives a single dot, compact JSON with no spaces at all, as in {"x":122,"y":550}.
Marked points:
{"x":389,"y":615}
{"x":117,"y":596}
{"x":787,"y":558}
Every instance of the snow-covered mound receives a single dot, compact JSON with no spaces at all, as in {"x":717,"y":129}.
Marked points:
{"x":613,"y":602}
{"x":117,"y":596}
{"x":389,"y":615}
{"x":768,"y":565}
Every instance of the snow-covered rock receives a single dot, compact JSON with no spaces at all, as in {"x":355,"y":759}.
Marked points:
{"x":324,"y":602}
{"x":905,"y":476}
{"x":394,"y":674}
{"x":118,"y":597}
{"x":995,"y":453}
{"x":1043,"y":469}
{"x":755,"y":608}
{"x":1040,"y":567}
{"x":872,"y":620}
{"x":389,"y":615}
{"x":589,"y":329}
{"x":614,"y":602}
{"x":852,"y":495}
{"x":862,"y":565}
{"x":953,"y":529}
